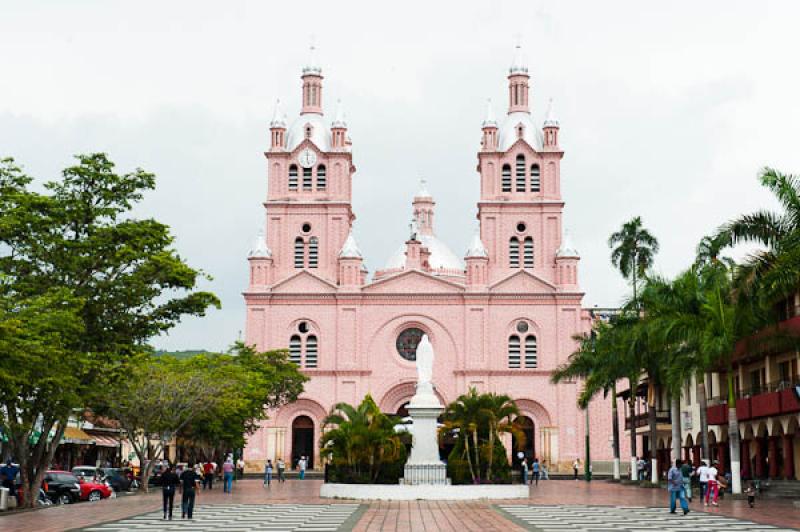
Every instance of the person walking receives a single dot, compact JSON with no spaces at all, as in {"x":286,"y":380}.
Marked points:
{"x":240,"y":468}
{"x":208,"y":475}
{"x":8,"y":475}
{"x":281,"y":470}
{"x":227,"y":475}
{"x":702,"y":479}
{"x":750,"y":491}
{"x":169,"y":483}
{"x":190,"y":482}
{"x":536,"y":471}
{"x":545,"y":473}
{"x":686,"y":472}
{"x":675,"y":488}
{"x":268,"y":473}
{"x":575,"y":466}
{"x":301,"y":465}
{"x":524,"y":470}
{"x":640,"y":464}
{"x":713,"y":486}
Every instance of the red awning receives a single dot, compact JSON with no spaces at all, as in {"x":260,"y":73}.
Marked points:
{"x":102,"y":439}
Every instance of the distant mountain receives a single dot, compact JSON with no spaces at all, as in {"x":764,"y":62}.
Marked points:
{"x":188,"y":353}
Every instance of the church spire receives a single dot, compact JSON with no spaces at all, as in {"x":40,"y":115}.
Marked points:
{"x":518,"y":83}
{"x":312,"y":84}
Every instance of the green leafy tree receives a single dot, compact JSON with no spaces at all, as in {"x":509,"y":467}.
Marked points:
{"x":633,"y":250}
{"x":81,"y":235}
{"x":361,"y":440}
{"x":40,"y":377}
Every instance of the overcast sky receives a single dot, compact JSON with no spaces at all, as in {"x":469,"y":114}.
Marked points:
{"x":667,"y":109}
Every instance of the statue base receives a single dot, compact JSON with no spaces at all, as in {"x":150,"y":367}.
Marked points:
{"x":416,"y":474}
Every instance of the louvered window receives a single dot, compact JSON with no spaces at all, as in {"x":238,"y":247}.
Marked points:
{"x":311,"y":351}
{"x":293,"y":177}
{"x":506,"y":183}
{"x":313,"y":252}
{"x":295,"y":347}
{"x":520,"y":173}
{"x":513,"y":252}
{"x":536,"y":178}
{"x":530,"y":352}
{"x":527,"y":252}
{"x":321,"y":177}
{"x":299,"y":253}
{"x":307,"y":178}
{"x":513,"y":351}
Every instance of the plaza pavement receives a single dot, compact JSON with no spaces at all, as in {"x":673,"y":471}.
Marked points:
{"x":555,"y":504}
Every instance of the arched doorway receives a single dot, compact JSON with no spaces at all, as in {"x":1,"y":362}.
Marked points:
{"x":302,"y":440}
{"x":525,"y":424}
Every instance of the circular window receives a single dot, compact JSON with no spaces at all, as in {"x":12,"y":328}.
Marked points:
{"x":306,"y":228}
{"x":302,"y":327}
{"x":521,"y":227}
{"x":522,"y":327}
{"x":408,"y":341}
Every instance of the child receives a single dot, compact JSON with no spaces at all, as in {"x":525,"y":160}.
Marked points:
{"x":750,"y":491}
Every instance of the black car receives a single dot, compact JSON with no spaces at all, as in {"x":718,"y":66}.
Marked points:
{"x":61,"y":487}
{"x":117,"y":478}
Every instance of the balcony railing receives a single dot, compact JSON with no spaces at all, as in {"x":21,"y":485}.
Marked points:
{"x":640,"y":420}
{"x":771,"y":399}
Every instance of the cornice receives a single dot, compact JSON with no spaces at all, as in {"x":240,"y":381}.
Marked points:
{"x":501,"y":372}
{"x":337,"y":372}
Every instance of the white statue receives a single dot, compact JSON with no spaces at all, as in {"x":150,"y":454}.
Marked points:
{"x":424,"y":362}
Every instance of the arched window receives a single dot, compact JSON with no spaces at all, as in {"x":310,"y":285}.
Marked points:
{"x":293,"y":177}
{"x":311,"y":351}
{"x":307,"y":178}
{"x":299,"y":253}
{"x":527,"y":252}
{"x":536,"y":178}
{"x":513,"y":351}
{"x":520,"y":173}
{"x":530,"y":352}
{"x":506,"y":178}
{"x":295,"y":349}
{"x":513,"y":252}
{"x":321,"y":177}
{"x":313,"y":252}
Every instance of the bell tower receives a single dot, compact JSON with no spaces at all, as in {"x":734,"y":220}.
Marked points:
{"x":310,"y":169}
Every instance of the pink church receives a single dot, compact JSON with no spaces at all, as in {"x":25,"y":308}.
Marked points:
{"x":500,"y":318}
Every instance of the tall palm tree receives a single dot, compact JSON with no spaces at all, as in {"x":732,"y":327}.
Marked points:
{"x":498,"y":412}
{"x":633,"y":249}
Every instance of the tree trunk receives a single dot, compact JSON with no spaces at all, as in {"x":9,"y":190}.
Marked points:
{"x":469,"y":459}
{"x":615,"y":430}
{"x":477,"y":453}
{"x":632,"y":409}
{"x":676,"y":427}
{"x":733,"y":437}
{"x":652,"y":425}
{"x":491,"y":454}
{"x":702,"y":401}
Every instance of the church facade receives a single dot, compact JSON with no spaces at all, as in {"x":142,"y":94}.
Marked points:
{"x":500,"y":317}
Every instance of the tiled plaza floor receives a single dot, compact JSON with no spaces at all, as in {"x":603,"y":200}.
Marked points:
{"x":421,"y":515}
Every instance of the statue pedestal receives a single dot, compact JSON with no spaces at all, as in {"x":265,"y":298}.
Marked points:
{"x":424,"y":465}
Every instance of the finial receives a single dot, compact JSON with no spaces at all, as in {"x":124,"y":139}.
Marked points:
{"x":518,"y":64}
{"x":489,"y":121}
{"x":476,"y":247}
{"x":567,"y":249}
{"x":350,"y":248}
{"x":413,"y":229}
{"x":423,"y":189}
{"x":278,"y":118}
{"x":550,"y":120}
{"x":312,"y":65}
{"x":260,"y":249}
{"x":339,"y":120}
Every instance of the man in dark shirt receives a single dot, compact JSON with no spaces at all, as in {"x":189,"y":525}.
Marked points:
{"x":169,"y":482}
{"x":190,"y":481}
{"x":8,"y":476}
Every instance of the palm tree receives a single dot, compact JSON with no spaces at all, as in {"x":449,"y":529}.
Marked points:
{"x":462,"y":417}
{"x":633,"y":250}
{"x":498,"y":412}
{"x":362,"y":439}
{"x":599,"y":363}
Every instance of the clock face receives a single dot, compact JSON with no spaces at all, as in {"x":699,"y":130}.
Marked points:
{"x":307,"y":158}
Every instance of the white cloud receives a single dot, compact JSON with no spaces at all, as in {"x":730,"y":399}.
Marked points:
{"x":667,"y":111}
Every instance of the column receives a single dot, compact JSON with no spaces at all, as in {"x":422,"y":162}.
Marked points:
{"x":687,"y":454}
{"x":745,"y":458}
{"x":696,"y":456}
{"x":788,"y":456}
{"x":759,"y":459}
{"x":723,"y":452}
{"x":772,"y":457}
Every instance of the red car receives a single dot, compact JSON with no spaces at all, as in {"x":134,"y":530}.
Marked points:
{"x":94,"y":491}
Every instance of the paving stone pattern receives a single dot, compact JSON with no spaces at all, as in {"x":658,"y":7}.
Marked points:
{"x":244,"y":517}
{"x":631,"y":519}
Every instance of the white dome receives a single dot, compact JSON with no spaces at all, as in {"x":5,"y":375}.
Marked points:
{"x":508,"y":131}
{"x":320,"y":134}
{"x":440,"y":255}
